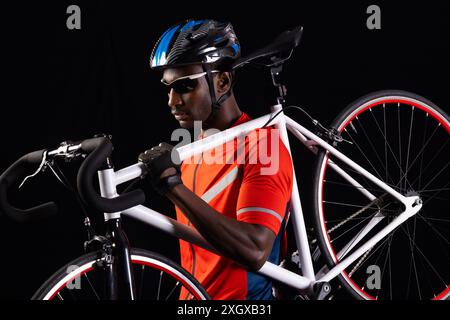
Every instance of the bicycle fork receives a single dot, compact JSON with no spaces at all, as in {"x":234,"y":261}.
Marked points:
{"x":119,"y":272}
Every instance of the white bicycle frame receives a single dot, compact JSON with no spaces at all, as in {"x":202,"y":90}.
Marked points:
{"x":109,"y":180}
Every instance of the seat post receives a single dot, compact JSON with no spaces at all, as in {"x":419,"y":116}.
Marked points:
{"x":282,"y":92}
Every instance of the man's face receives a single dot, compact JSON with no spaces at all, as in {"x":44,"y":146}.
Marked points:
{"x":194,"y":102}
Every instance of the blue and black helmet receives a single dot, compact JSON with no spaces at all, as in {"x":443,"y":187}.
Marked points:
{"x":196,"y":42}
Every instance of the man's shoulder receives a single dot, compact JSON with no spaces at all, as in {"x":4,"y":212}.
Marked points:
{"x":266,"y":154}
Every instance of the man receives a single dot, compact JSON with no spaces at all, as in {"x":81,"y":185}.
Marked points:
{"x":235,"y":207}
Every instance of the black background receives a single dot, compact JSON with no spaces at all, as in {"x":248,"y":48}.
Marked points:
{"x":61,"y":84}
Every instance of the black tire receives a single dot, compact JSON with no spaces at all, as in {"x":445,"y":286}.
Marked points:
{"x":378,"y":103}
{"x":93,"y":276}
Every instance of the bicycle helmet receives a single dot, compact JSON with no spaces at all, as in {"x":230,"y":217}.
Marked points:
{"x":196,"y":42}
{"x":210,"y":43}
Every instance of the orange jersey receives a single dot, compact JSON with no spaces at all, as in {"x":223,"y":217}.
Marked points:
{"x":251,"y":183}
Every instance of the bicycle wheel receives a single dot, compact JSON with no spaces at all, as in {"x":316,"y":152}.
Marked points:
{"x":403,"y":139}
{"x":156,"y":278}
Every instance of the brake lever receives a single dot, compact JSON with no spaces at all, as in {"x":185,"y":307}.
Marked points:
{"x":68,"y":151}
{"x":42,"y":167}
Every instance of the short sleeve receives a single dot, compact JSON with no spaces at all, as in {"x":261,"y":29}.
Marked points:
{"x":267,"y":181}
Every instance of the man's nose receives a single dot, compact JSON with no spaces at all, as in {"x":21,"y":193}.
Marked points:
{"x":174,"y":98}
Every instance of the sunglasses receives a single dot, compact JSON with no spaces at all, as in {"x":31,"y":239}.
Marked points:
{"x":185,"y":84}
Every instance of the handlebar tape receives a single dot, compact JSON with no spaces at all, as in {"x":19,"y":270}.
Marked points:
{"x":16,"y":172}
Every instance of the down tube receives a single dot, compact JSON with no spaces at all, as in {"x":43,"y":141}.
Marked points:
{"x":178,"y":230}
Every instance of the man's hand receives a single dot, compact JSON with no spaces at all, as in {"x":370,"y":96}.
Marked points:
{"x":163,"y":166}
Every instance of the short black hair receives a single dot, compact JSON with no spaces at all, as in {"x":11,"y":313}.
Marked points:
{"x":226,"y":65}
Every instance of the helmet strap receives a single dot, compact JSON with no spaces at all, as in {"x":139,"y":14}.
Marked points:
{"x":215,"y":104}
{"x":209,"y":77}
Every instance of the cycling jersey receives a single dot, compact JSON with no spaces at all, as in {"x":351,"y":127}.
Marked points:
{"x":238,"y":188}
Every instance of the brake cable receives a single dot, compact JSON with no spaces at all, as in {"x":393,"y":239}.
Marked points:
{"x":331,"y":133}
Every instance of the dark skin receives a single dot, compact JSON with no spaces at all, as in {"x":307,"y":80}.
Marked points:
{"x":247,"y":244}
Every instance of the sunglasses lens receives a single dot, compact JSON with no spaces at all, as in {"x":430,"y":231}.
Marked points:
{"x":184,"y":85}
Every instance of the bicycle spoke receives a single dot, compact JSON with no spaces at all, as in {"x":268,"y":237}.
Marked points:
{"x":412,"y":262}
{"x":349,"y":204}
{"x":434,"y":196}
{"x":358,"y":264}
{"x":159,"y":285}
{"x":423,"y":144}
{"x":333,"y":240}
{"x":344,"y":219}
{"x":173,"y":289}
{"x":385,"y":142}
{"x":437,"y":174}
{"x":370,"y":141}
{"x":364,"y":155}
{"x":389,"y":257}
{"x":422,"y":151}
{"x":442,"y":242}
{"x":399,"y":139}
{"x":352,"y":217}
{"x":391,"y":287}
{"x":432,"y":190}
{"x":426,"y":273}
{"x":429,"y":162}
{"x":59,"y":296}
{"x":141,"y":285}
{"x":345,"y":167}
{"x":425,"y":258}
{"x":427,"y":276}
{"x":409,"y":145}
{"x":433,"y":228}
{"x":370,"y":163}
{"x":435,"y":219}
{"x":351,"y":185}
{"x":350,"y":245}
{"x":92,"y":287}
{"x":372,"y":252}
{"x":386,"y":242}
{"x":389,"y":242}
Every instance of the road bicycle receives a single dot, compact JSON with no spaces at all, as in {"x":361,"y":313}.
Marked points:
{"x":380,"y":196}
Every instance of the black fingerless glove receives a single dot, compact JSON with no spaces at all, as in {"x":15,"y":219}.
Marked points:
{"x":157,"y":160}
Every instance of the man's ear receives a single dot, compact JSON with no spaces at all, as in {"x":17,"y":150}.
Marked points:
{"x":223,"y":83}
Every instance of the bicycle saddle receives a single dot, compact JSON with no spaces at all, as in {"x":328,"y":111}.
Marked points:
{"x":276,"y":52}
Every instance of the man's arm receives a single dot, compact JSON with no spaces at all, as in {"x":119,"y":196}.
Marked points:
{"x":248,"y":244}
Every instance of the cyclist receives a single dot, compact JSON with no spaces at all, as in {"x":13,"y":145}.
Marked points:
{"x":234,"y":206}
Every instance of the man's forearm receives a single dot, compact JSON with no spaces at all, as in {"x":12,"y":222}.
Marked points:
{"x":245,"y":243}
